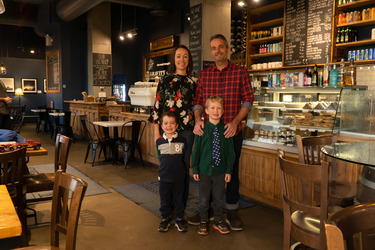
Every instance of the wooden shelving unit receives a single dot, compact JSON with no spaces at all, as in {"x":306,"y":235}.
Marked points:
{"x":255,"y":24}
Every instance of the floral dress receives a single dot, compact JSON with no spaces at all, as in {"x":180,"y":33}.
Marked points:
{"x":175,"y":93}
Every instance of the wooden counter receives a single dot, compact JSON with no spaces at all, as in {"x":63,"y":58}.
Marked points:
{"x":148,"y":146}
{"x":260,"y":176}
{"x":90,"y":111}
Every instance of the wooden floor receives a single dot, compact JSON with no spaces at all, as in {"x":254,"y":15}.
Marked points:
{"x":111,"y":221}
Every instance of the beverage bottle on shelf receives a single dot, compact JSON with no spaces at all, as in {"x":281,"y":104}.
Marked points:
{"x":320,"y":78}
{"x":346,"y":35}
{"x":326,"y":74}
{"x":351,"y":74}
{"x":333,"y":77}
{"x":341,"y":73}
{"x":305,"y":76}
{"x":314,"y":79}
{"x":309,"y":77}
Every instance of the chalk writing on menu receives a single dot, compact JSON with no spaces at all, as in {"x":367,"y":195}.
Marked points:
{"x":195,"y":40}
{"x":102,"y":69}
{"x":308,"y":30}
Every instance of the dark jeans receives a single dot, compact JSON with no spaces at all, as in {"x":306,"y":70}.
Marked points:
{"x":189,"y":136}
{"x":171,"y":199}
{"x":215,"y":186}
{"x":232,"y":191}
{"x":5,"y":122}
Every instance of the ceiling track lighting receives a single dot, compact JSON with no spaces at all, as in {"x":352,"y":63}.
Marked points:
{"x":130,"y":33}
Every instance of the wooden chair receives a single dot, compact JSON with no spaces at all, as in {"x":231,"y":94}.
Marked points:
{"x":129,"y":145}
{"x":65,"y":211}
{"x":12,"y":168}
{"x":356,"y":226}
{"x":341,"y":193}
{"x":303,"y":216}
{"x":44,"y":181}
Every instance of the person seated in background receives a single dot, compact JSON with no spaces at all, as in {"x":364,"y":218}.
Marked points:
{"x":10,"y":135}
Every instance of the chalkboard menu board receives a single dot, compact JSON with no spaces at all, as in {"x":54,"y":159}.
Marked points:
{"x":156,"y":64}
{"x":53,"y":72}
{"x":195,"y":40}
{"x":308,"y":28}
{"x":102,"y":69}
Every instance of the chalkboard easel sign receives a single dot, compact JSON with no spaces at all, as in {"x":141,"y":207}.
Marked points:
{"x":53,"y":71}
{"x":156,"y":64}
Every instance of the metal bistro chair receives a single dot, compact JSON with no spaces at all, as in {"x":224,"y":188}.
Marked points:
{"x":13,"y":165}
{"x":303,"y":215}
{"x":95,"y":142}
{"x":341,"y":193}
{"x":354,"y":225}
{"x":129,"y":145}
{"x":68,"y":194}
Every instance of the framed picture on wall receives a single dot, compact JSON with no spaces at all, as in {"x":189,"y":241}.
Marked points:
{"x":53,"y":71}
{"x":29,"y":85}
{"x":156,"y":64}
{"x":9,"y":83}
{"x":45,"y":85}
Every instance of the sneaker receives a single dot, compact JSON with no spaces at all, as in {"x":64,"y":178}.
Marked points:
{"x":203,"y":228}
{"x":234,"y":221}
{"x":195,"y":219}
{"x":221,"y":227}
{"x":181,"y":225}
{"x":164,"y":225}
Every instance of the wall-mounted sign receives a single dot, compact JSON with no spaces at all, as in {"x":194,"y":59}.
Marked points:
{"x":163,"y":43}
{"x":195,"y":38}
{"x":102,"y":69}
{"x":53,"y":71}
{"x":156,"y":64}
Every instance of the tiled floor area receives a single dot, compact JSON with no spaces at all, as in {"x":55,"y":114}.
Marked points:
{"x":111,"y":221}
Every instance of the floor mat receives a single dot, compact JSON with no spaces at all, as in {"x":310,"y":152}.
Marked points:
{"x":146,"y":194}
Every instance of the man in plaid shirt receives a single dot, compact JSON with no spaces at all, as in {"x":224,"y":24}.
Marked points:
{"x":232,"y":83}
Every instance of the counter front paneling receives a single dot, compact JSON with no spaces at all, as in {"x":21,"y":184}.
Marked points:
{"x":90,"y":111}
{"x":148,"y":146}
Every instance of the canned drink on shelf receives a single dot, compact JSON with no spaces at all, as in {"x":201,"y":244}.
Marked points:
{"x":370,"y":51}
{"x":350,"y":54}
{"x":362,"y":54}
{"x":357,"y":55}
{"x":365,"y":56}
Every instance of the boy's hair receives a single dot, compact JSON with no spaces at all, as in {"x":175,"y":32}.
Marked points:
{"x":214,"y":98}
{"x":169,"y":114}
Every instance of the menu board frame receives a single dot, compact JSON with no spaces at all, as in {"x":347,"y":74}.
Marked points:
{"x":53,"y":71}
{"x":154,"y":55}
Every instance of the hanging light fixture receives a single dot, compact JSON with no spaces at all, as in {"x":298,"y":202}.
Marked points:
{"x":2,"y":7}
{"x":129,"y":34}
{"x":3,"y":69}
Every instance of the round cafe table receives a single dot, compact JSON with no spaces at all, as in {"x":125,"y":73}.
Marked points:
{"x":362,"y":153}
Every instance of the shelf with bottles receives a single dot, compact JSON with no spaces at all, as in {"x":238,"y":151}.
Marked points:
{"x":255,"y":56}
{"x":273,"y":22}
{"x":266,"y":39}
{"x":357,"y":24}
{"x":356,"y":43}
{"x":353,"y":4}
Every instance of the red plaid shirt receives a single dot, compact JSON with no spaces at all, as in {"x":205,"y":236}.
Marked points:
{"x":232,"y":84}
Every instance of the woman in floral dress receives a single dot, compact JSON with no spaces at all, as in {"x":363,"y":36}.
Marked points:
{"x":176,"y":93}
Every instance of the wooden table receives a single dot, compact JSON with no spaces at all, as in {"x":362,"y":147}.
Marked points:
{"x":10,"y":225}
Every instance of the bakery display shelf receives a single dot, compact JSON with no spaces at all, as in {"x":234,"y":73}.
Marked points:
{"x":323,"y":111}
{"x":289,"y":148}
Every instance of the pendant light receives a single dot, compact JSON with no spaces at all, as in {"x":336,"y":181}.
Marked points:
{"x":3,"y":69}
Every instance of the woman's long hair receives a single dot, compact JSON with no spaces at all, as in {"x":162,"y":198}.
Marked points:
{"x":189,"y":68}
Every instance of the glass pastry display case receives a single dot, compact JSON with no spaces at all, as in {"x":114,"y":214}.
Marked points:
{"x":356,"y":114}
{"x":279,"y":114}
